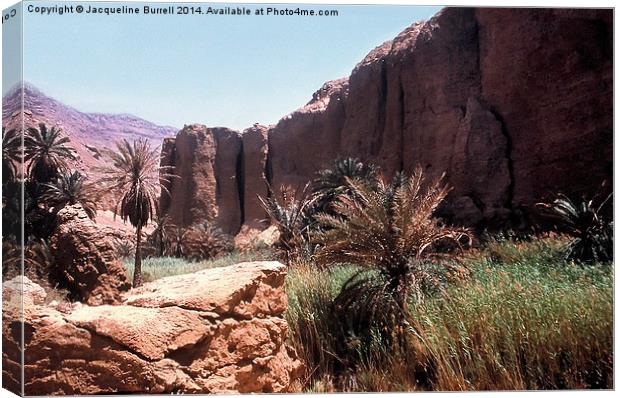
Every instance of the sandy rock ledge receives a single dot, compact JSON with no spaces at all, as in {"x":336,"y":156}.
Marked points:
{"x":217,"y":330}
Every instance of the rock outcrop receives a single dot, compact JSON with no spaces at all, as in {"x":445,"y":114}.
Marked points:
{"x":206,"y":162}
{"x":255,"y":178}
{"x":228,"y":174}
{"x":85,"y":259}
{"x":513,"y":104}
{"x":217,"y":330}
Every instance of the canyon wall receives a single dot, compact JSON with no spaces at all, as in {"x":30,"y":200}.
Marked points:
{"x":513,"y":104}
{"x":205,"y":185}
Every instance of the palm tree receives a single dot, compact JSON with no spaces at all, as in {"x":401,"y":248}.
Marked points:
{"x":332,"y":182}
{"x":593,"y":235}
{"x":47,"y":151}
{"x":390,"y":233}
{"x":292,"y":215}
{"x":11,"y":155}
{"x":70,"y":188}
{"x":205,"y":241}
{"x":134,"y":175}
{"x":176,"y":241}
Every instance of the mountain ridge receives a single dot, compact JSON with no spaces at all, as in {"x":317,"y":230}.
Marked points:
{"x":88,"y":131}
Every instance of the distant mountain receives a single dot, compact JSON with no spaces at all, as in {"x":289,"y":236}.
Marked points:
{"x":89,"y":132}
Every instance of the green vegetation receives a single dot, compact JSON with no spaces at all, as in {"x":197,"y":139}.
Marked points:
{"x":592,"y":234}
{"x":70,"y":188}
{"x":523,"y":319}
{"x":134,"y":175}
{"x":154,"y":268}
{"x":46,"y":153}
{"x":382,"y":296}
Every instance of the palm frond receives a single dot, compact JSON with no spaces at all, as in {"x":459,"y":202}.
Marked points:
{"x":46,"y":152}
{"x":70,"y":188}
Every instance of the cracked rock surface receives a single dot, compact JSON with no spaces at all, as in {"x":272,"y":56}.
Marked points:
{"x":217,"y":330}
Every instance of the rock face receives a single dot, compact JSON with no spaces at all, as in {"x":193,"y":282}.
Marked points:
{"x":256,"y":183}
{"x":228,"y":172}
{"x":513,"y":104}
{"x":206,"y":161}
{"x":85,"y":259}
{"x":510,"y":120}
{"x":218,"y":330}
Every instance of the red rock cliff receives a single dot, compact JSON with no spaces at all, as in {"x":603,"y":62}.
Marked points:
{"x":513,"y":104}
{"x":205,"y":161}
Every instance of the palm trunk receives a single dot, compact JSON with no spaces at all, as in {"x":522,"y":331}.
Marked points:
{"x":137,"y":271}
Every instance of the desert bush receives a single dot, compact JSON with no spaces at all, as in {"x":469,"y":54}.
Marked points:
{"x":205,"y":241}
{"x":332,"y":182}
{"x":389,"y":229}
{"x":158,"y":239}
{"x":291,"y":212}
{"x":592,"y":234}
{"x":124,"y":248}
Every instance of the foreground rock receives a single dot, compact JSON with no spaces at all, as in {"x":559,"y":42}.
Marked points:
{"x":85,"y":259}
{"x":218,"y":330}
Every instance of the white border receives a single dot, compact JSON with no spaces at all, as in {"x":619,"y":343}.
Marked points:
{"x":478,"y":3}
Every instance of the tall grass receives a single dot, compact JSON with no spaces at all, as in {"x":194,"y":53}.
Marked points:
{"x":525,"y":319}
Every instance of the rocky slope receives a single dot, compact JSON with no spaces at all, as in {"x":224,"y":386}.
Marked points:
{"x":513,"y":104}
{"x":217,"y":330}
{"x":89,"y":132}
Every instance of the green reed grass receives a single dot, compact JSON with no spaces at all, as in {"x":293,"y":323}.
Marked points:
{"x":524,"y":319}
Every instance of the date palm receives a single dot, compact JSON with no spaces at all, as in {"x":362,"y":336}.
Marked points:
{"x":134,"y":176}
{"x":47,"y":152}
{"x":70,"y":188}
{"x":332,"y":181}
{"x":11,"y":155}
{"x":584,"y":221}
{"x":390,"y":233}
{"x":291,"y":212}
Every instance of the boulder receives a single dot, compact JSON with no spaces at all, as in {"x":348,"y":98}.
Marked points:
{"x":85,"y":259}
{"x":250,"y":238}
{"x":218,"y":330}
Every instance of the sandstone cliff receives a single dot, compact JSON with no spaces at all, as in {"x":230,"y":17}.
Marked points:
{"x":207,"y":187}
{"x":513,"y":104}
{"x":217,"y":330}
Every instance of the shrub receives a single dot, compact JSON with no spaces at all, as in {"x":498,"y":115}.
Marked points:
{"x":70,"y":188}
{"x":389,"y":228}
{"x":205,"y":242}
{"x":524,"y":320}
{"x":292,"y":215}
{"x":332,"y":182}
{"x":592,"y":234}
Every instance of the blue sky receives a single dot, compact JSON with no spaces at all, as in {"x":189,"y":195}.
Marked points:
{"x":218,"y":70}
